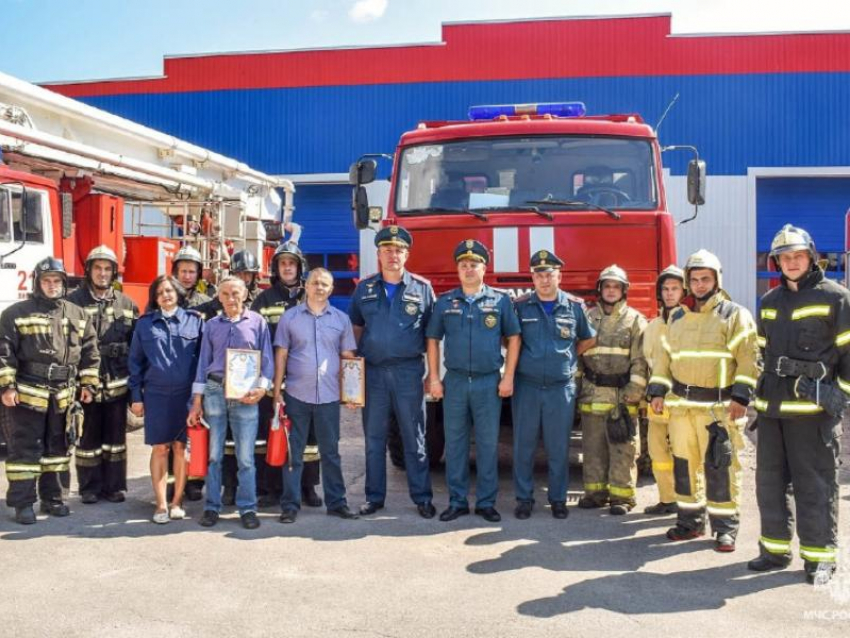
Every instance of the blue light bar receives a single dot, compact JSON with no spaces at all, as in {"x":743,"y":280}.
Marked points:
{"x":557,"y":109}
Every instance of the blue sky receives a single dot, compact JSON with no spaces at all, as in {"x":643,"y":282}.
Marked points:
{"x":57,"y":40}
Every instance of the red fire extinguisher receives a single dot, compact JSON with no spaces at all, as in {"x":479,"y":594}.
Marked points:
{"x":277,"y":446}
{"x":198,"y":448}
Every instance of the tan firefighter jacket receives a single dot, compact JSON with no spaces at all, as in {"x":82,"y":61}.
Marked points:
{"x":709,"y":356}
{"x":614,"y":370}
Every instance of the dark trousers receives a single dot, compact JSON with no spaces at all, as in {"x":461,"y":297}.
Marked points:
{"x":37,"y":454}
{"x":472,"y":404}
{"x":550,"y":411}
{"x":101,"y":455}
{"x":324,"y":418}
{"x":396,"y":390}
{"x":798,"y":454}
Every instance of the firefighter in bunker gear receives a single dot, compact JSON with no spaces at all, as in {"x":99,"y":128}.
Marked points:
{"x":613,"y":380}
{"x":669,"y":291}
{"x":287,"y":271}
{"x":187,"y":268}
{"x":804,"y":331}
{"x":101,"y":455}
{"x":705,"y":375}
{"x":47,"y":347}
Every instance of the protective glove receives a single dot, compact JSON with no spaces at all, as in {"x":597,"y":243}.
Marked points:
{"x":619,"y":425}
{"x":827,"y":395}
{"x":718,"y":454}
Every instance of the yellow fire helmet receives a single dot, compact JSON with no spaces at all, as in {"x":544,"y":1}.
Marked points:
{"x":613,"y":273}
{"x":704,"y":259}
{"x":671,"y":272}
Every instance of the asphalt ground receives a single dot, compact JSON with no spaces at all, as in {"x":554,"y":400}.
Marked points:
{"x":108,"y":571}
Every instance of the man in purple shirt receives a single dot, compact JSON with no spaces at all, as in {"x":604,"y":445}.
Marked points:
{"x":309,"y":342}
{"x":239,"y":328}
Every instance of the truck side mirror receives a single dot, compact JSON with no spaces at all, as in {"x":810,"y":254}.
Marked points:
{"x":696,"y":182}
{"x":360,"y":207}
{"x":362,"y":172}
{"x":32,"y":222}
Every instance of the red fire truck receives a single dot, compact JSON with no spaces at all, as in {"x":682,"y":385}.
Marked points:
{"x":521,"y":178}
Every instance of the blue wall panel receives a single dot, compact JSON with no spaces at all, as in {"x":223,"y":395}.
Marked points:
{"x":818,"y":204}
{"x":736,"y":121}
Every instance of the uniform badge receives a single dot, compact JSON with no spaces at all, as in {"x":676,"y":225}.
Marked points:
{"x":393,"y":230}
{"x":543,"y":254}
{"x":411,"y":308}
{"x":469,"y":243}
{"x":490,"y":321}
{"x":565,"y":333}
{"x":455,"y":303}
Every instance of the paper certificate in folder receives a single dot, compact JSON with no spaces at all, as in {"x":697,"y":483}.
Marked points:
{"x":241,"y":372}
{"x":352,"y":381}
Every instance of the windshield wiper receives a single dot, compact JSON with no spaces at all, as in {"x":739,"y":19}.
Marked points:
{"x":531,"y":209}
{"x":550,"y":201}
{"x":440,"y":209}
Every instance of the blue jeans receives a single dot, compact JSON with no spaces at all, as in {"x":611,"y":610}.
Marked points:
{"x":476,"y":398}
{"x":243,"y":420}
{"x":325,"y":419}
{"x":550,"y":409}
{"x":396,"y":390}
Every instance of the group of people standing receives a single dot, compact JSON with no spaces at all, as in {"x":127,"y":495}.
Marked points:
{"x":697,"y":366}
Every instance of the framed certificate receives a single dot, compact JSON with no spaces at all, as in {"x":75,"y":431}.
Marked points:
{"x":241,"y":372}
{"x":352,"y":381}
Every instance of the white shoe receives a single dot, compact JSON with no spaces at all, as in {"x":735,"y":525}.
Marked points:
{"x":160,"y":518}
{"x":176,"y":513}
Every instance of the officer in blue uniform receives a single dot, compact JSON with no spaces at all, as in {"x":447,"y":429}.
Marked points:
{"x":555,"y":331}
{"x":389,"y":312}
{"x":474,"y":319}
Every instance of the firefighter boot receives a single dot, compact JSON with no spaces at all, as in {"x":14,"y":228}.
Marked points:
{"x":25,"y":515}
{"x":724,"y":543}
{"x":819,"y":573}
{"x":766,"y":563}
{"x":309,"y":497}
{"x":682,"y":533}
{"x":55,"y":508}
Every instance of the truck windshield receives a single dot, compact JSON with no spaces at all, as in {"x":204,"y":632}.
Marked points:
{"x":509,"y":172}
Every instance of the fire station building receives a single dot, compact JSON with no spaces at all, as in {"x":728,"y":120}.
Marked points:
{"x":765,"y":111}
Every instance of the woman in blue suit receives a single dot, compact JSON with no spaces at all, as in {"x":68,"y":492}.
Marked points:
{"x":163,"y":360}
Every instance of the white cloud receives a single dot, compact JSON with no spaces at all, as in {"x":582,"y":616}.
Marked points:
{"x":367,"y":10}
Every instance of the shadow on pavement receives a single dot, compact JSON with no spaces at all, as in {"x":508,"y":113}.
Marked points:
{"x":671,"y":593}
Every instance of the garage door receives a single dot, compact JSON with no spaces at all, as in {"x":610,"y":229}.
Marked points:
{"x":818,"y":204}
{"x":329,"y":238}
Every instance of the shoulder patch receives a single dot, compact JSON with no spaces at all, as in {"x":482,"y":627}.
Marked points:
{"x":420,"y":278}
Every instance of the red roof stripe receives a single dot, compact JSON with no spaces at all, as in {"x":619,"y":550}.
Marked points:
{"x":596,"y":47}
